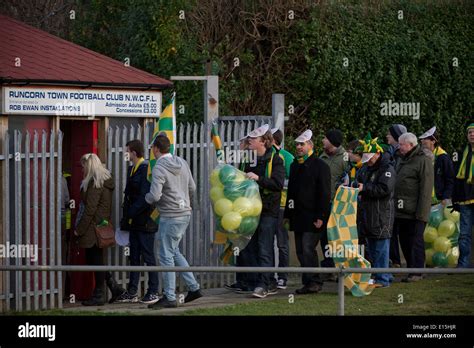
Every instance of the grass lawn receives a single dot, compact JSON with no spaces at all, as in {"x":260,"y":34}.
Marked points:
{"x":436,"y":295}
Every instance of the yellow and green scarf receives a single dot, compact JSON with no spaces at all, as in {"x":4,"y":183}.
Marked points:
{"x":463,"y":171}
{"x":302,"y":159}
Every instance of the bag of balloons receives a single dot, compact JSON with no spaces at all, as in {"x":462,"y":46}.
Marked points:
{"x":236,"y":204}
{"x":441,"y":237}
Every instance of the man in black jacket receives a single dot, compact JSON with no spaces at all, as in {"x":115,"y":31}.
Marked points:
{"x":376,"y":210}
{"x":136,"y":219}
{"x":269,"y":174}
{"x":443,"y":167}
{"x":308,"y":207}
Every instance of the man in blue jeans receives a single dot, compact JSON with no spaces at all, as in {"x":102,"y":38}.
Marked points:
{"x":376,"y":211}
{"x":463,"y":199}
{"x":269,"y":174}
{"x":136,"y":219}
{"x":171,"y":191}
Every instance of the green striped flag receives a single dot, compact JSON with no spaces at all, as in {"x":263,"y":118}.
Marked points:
{"x":165,"y":123}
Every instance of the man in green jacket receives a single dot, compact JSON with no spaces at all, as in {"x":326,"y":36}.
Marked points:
{"x":415,"y":180}
{"x":282,"y":232}
{"x":338,"y":161}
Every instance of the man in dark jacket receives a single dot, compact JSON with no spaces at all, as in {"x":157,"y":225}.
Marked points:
{"x":308,"y":207}
{"x":136,"y":219}
{"x":393,"y":134}
{"x":376,"y":211}
{"x":413,"y":188}
{"x":269,"y":174}
{"x":463,"y":198}
{"x":443,"y":167}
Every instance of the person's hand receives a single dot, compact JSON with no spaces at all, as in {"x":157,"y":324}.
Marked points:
{"x":318,"y":223}
{"x":75,"y":233}
{"x":445,"y":202}
{"x":361,"y":187}
{"x":252,"y":176}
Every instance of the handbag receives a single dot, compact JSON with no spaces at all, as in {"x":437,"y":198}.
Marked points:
{"x":105,"y":234}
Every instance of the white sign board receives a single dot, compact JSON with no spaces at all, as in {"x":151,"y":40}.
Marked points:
{"x":79,"y":102}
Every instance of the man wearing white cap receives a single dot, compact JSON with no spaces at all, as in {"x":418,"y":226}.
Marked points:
{"x":376,"y":210}
{"x":308,"y":207}
{"x":282,"y":232}
{"x":443,"y":167}
{"x":269,"y":174}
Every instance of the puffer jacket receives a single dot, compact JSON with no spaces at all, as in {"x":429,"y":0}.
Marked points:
{"x":376,"y":210}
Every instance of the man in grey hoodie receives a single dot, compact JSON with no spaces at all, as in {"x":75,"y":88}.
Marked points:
{"x":171,"y":192}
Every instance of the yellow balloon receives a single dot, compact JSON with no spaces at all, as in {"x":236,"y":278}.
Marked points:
{"x":256,"y":207}
{"x":239,"y":178}
{"x":223,"y":206}
{"x":429,"y":256}
{"x":215,"y":181}
{"x":454,"y":216}
{"x":446,"y":228}
{"x":453,"y":256}
{"x":243,"y":206}
{"x":216,"y":193}
{"x":430,"y":234}
{"x":231,"y":221}
{"x":442,"y":244}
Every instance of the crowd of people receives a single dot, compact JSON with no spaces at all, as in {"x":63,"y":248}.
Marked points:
{"x":397,"y":184}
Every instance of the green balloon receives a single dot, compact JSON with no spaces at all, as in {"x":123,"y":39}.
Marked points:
{"x":233,"y":192}
{"x":248,"y":225}
{"x":219,"y":224}
{"x":227,"y":174}
{"x":440,"y":259}
{"x":436,"y":217}
{"x":250,"y":188}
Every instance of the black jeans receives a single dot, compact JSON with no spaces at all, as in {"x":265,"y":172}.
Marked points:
{"x":411,"y":241}
{"x":395,"y":248}
{"x":327,"y":261}
{"x":306,"y":243}
{"x":260,"y":252}
{"x":95,"y":256}
{"x":283,"y":246}
{"x":141,"y":244}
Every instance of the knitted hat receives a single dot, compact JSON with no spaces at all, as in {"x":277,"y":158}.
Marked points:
{"x":335,"y":137}
{"x":396,"y":130}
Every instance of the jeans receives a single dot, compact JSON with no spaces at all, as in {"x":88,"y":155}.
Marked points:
{"x":142,"y":244}
{"x":306,"y":243}
{"x":465,"y":235}
{"x":283,"y":246}
{"x":170,"y":233}
{"x":411,"y":241}
{"x":260,"y":252}
{"x":379,"y":251}
{"x":395,"y":248}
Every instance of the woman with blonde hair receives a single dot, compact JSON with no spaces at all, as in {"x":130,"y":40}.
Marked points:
{"x":96,"y":205}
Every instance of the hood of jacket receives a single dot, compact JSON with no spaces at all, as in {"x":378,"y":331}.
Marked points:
{"x":171,"y":163}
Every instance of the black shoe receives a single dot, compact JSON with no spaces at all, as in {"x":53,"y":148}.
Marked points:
{"x":97,"y":298}
{"x":115,"y":289}
{"x":309,"y":289}
{"x":233,"y":287}
{"x":272,"y":289}
{"x":260,"y":292}
{"x":281,"y":284}
{"x":163,"y":303}
{"x":193,"y":295}
{"x":412,"y":279}
{"x":245,"y":290}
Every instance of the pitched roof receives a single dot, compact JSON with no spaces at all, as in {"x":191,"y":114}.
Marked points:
{"x":48,"y":59}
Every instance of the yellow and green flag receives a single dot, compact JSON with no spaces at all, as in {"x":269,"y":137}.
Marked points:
{"x":343,"y":240}
{"x":165,"y":123}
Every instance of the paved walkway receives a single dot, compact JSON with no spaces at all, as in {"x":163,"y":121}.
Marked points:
{"x":212,"y":298}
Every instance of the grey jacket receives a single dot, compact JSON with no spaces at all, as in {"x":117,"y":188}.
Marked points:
{"x":172,"y":187}
{"x":414,"y":186}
